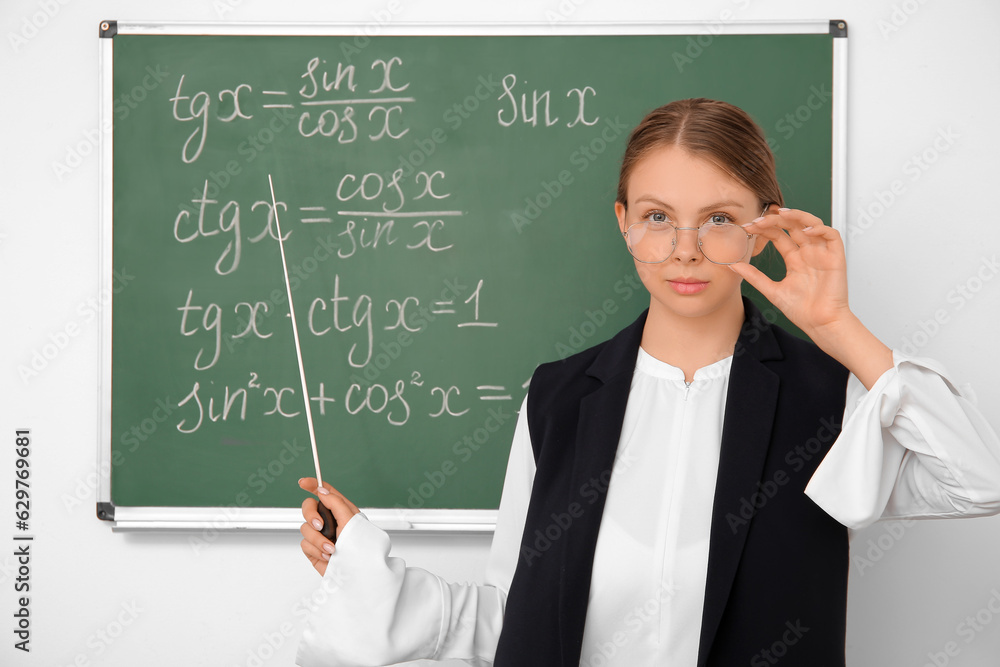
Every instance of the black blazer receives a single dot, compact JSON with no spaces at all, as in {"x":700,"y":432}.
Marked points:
{"x":778,"y":564}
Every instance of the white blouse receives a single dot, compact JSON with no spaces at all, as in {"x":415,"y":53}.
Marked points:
{"x":912,"y":446}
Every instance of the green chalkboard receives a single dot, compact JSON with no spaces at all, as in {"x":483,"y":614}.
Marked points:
{"x":448,"y":206}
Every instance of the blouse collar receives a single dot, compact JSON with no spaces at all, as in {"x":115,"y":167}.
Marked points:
{"x":650,"y":365}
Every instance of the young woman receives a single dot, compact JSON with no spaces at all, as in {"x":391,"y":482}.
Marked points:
{"x":683,"y":493}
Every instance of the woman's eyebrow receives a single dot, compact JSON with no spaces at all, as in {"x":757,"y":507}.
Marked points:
{"x":728,"y":203}
{"x":705,"y":209}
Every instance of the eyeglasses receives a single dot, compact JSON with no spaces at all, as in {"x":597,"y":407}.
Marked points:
{"x":722,"y":242}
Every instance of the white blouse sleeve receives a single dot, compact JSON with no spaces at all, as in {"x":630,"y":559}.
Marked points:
{"x":914,"y":446}
{"x":513,"y":506}
{"x":371,"y":609}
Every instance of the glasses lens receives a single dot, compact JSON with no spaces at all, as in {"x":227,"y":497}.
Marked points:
{"x":651,"y":242}
{"x":724,"y":243}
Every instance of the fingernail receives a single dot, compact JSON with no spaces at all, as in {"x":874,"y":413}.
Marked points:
{"x":327,"y":547}
{"x":324,"y":491}
{"x":784,"y":209}
{"x":325,"y":556}
{"x":749,"y":224}
{"x":806,"y":229}
{"x":317,"y":524}
{"x":300,"y":480}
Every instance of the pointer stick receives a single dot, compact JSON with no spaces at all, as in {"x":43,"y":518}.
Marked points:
{"x":329,"y":523}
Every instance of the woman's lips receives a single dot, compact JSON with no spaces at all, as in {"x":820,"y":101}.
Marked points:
{"x":687,"y":286}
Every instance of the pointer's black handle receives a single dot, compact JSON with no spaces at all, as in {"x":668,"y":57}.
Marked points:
{"x":329,"y":529}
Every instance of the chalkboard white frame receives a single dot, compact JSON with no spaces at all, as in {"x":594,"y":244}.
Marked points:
{"x":208,"y":521}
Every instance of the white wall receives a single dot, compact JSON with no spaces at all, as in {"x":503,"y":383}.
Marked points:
{"x":936,"y":71}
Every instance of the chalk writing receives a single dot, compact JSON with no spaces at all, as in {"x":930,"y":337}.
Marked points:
{"x":393,"y":401}
{"x":540,"y":108}
{"x":373,"y":114}
{"x":419,"y":228}
{"x":344,"y":314}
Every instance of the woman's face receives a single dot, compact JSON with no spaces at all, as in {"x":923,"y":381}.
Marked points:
{"x":670,"y":183}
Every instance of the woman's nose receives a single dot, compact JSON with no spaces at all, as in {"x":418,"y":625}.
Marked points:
{"x":686,"y":244}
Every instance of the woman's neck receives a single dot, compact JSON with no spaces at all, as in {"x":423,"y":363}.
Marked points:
{"x":690,"y":343}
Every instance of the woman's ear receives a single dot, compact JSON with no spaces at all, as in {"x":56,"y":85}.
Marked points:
{"x":620,"y":214}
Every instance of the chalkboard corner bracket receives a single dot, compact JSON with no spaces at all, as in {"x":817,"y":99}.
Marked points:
{"x":838,"y":28}
{"x":106,"y":511}
{"x":108,"y":28}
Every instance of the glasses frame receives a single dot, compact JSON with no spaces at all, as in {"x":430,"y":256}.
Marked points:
{"x":750,"y":237}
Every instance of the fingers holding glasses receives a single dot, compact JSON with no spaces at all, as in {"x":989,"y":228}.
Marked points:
{"x":791,"y":228}
{"x":818,"y":232}
{"x":815,"y":232}
{"x":770,"y":227}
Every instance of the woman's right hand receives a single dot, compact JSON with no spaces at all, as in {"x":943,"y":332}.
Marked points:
{"x":314,"y":545}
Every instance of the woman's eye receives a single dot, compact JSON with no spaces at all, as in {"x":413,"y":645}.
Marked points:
{"x":719,"y":219}
{"x":657,"y":217}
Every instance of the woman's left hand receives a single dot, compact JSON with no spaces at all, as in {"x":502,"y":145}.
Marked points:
{"x":813,"y":293}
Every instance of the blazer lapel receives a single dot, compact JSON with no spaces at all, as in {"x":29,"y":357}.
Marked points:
{"x":598,"y":431}
{"x":746,"y":433}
